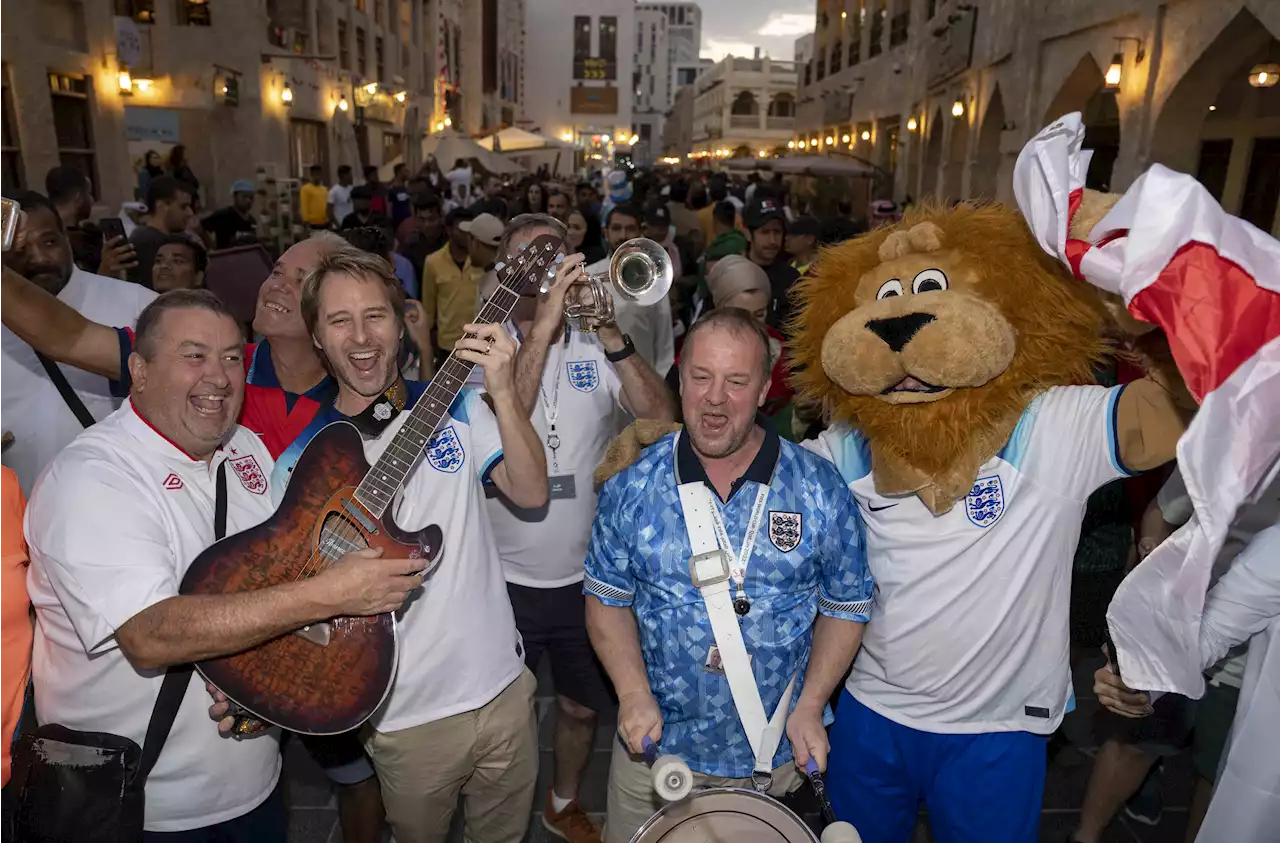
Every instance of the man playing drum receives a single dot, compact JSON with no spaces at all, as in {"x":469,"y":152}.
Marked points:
{"x":710,"y":559}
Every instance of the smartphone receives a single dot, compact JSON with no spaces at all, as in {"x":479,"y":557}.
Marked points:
{"x":8,"y":221}
{"x":111,"y":228}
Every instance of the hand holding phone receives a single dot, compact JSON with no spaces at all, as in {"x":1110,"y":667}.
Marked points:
{"x":9,"y":213}
{"x":118,"y":254}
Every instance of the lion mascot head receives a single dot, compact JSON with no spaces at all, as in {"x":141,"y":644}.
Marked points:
{"x":930,"y":337}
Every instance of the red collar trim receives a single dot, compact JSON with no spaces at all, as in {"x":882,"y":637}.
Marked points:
{"x":157,"y":432}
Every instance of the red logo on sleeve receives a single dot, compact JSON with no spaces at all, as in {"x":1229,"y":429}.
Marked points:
{"x":172,"y":483}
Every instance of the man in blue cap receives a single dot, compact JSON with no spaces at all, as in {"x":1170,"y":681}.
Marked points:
{"x":234,"y":225}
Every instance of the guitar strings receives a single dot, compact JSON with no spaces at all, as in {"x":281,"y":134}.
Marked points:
{"x":347,"y":533}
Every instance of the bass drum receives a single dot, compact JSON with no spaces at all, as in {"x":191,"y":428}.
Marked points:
{"x":725,"y":815}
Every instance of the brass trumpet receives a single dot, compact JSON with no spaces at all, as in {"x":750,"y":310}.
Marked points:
{"x":640,"y":272}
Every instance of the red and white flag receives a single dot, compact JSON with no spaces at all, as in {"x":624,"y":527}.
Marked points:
{"x":1211,"y":281}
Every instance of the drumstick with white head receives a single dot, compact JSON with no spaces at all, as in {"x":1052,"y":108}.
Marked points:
{"x":836,"y":831}
{"x":672,"y":778}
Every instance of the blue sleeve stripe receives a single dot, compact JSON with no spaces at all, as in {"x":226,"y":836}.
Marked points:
{"x":1113,"y":432}
{"x":120,"y":388}
{"x":487,"y":469}
{"x":610,"y":595}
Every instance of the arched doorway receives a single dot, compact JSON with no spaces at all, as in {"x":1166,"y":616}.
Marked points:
{"x":957,"y":155}
{"x":932,"y":156}
{"x":1233,"y":149}
{"x":1084,"y":91}
{"x":782,"y":105}
{"x":984,"y":181}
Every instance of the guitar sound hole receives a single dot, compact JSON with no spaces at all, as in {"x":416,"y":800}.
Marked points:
{"x":338,"y":537}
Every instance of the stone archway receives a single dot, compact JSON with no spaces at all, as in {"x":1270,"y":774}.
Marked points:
{"x":932,"y":156}
{"x":984,"y":180}
{"x":1084,"y":91}
{"x":744,"y":104}
{"x":957,"y":157}
{"x":1232,"y":148}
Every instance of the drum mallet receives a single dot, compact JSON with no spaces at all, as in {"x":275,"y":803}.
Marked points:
{"x":836,"y":831}
{"x":672,"y":778}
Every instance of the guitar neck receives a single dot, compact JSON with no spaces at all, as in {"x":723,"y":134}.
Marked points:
{"x":388,"y":474}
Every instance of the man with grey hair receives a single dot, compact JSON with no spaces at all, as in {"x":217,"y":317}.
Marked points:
{"x":573,"y":384}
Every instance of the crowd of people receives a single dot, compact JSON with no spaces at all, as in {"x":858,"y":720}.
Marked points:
{"x":142,"y":423}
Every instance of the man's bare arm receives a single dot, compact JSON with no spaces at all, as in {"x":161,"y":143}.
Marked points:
{"x":200,"y":626}
{"x":56,"y":329}
{"x":835,"y":643}
{"x":644,"y":393}
{"x":616,"y":640}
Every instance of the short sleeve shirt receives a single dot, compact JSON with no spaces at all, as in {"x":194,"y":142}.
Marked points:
{"x":971,"y":607}
{"x":458,"y":641}
{"x":808,"y":558}
{"x":113,"y":526}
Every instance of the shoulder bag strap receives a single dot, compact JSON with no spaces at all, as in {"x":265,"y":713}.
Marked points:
{"x":68,"y":394}
{"x":178,"y":677}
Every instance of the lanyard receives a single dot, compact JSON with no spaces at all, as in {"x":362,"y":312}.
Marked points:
{"x":551,"y":409}
{"x":738,"y":565}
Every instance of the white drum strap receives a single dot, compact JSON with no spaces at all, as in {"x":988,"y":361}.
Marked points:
{"x":709,"y":570}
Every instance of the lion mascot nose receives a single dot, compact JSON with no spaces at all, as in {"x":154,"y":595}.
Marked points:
{"x":897,"y":331}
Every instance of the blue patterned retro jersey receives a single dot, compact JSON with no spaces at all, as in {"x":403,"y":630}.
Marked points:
{"x":808,"y":558}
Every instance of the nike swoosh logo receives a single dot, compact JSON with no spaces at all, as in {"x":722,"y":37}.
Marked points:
{"x":879,"y":508}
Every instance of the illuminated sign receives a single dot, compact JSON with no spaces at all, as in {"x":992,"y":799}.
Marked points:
{"x":595,"y":69}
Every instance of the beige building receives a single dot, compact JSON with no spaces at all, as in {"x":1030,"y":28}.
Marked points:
{"x":942,"y":94}
{"x":677,"y":127}
{"x":254,"y":84}
{"x":743,"y":107}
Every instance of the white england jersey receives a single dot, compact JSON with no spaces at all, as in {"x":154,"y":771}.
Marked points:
{"x":969,"y":631}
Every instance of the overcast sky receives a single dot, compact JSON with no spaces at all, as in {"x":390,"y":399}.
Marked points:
{"x":738,"y":26}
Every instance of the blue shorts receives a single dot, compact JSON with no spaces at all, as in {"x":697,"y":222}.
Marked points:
{"x":978,"y":788}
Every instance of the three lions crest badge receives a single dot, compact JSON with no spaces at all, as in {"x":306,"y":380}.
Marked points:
{"x":785,"y":530}
{"x":445,"y":452}
{"x":583,"y":375}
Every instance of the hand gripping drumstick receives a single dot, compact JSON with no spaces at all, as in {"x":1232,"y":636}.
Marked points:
{"x":836,"y":831}
{"x":672,"y":778}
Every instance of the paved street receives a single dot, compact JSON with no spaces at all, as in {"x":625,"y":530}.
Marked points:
{"x":314,"y":816}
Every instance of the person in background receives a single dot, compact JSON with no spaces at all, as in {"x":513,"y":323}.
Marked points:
{"x":579,"y":227}
{"x":722,"y":220}
{"x":717,"y":192}
{"x":533,"y":199}
{"x":179,"y":264}
{"x":363,"y":213}
{"x":378,"y":242}
{"x":493,"y":201}
{"x":658,"y":228}
{"x":72,"y":195}
{"x":558,"y":205}
{"x":588,"y":198}
{"x":683,"y":217}
{"x":377,"y":191}
{"x":802,"y":242}
{"x":339,"y":204}
{"x":399,"y":200}
{"x":235,"y":224}
{"x":33,"y":409}
{"x":423,"y":233}
{"x":767,"y":226}
{"x":169,"y":212}
{"x":15,"y":631}
{"x":485,"y":232}
{"x":180,"y":170}
{"x":459,"y":180}
{"x":313,"y":197}
{"x":151,"y":169}
{"x":648,"y":328}
{"x":449,"y":286}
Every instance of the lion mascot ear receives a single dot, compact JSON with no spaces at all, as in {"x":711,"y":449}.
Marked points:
{"x":1094,"y":205}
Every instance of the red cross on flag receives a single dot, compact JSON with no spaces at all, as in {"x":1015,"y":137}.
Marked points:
{"x":1211,"y":281}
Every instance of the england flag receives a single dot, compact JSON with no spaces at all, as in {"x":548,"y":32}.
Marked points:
{"x":1212,"y":282}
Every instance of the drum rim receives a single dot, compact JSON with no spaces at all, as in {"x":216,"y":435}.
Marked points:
{"x":649,"y":823}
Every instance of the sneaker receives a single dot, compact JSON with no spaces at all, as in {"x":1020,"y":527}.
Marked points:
{"x":1145,"y":806}
{"x":571,"y":824}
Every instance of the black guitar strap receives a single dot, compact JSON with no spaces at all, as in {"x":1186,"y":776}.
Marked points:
{"x":178,"y":677}
{"x":68,"y":394}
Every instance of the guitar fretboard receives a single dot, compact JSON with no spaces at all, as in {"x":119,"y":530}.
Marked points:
{"x":379,"y":487}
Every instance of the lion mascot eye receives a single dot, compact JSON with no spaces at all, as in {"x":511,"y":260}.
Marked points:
{"x":929,"y":280}
{"x":892,"y":287}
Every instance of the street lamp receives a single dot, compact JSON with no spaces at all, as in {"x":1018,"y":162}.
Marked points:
{"x":286,"y":95}
{"x":126,"y":82}
{"x":866,"y":135}
{"x":342,"y":103}
{"x":401,"y":96}
{"x":912,"y":125}
{"x":957,"y":108}
{"x":1114,"y":72}
{"x":1264,"y":75}
{"x":844,"y":139}
{"x":791,"y":144}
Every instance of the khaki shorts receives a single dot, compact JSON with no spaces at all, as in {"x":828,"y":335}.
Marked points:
{"x":489,"y":756}
{"x":632,"y":800}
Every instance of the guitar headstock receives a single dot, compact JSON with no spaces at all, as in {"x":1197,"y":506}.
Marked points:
{"x":537,"y":260}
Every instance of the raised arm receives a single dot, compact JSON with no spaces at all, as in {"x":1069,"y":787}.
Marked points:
{"x":1153,"y":413}
{"x":644,"y":392}
{"x":56,"y":329}
{"x":548,"y":327}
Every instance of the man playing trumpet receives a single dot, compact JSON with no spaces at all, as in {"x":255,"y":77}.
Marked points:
{"x":573,"y":382}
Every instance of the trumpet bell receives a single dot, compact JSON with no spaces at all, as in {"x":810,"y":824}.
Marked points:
{"x":641,"y":271}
